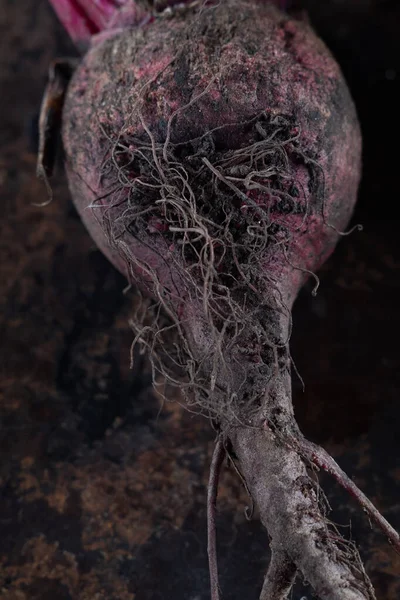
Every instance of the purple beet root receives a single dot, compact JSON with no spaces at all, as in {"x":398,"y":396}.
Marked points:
{"x":214,"y":155}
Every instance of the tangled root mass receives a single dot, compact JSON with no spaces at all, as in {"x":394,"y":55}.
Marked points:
{"x":222,"y":212}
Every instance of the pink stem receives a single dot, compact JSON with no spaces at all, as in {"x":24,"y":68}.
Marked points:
{"x":101,"y":11}
{"x":84,"y":18}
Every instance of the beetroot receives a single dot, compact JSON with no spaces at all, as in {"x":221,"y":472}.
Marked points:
{"x":214,"y":156}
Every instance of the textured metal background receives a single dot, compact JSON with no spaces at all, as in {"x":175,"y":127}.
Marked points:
{"x":103,"y":490}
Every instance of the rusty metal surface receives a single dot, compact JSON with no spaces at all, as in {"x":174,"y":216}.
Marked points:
{"x":102,"y":487}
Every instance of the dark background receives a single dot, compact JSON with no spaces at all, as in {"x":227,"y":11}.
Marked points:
{"x":102,"y":488}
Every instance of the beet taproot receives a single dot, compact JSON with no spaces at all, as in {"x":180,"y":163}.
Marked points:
{"x":214,"y":154}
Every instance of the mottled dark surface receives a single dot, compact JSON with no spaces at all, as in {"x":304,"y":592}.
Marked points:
{"x":102,"y":489}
